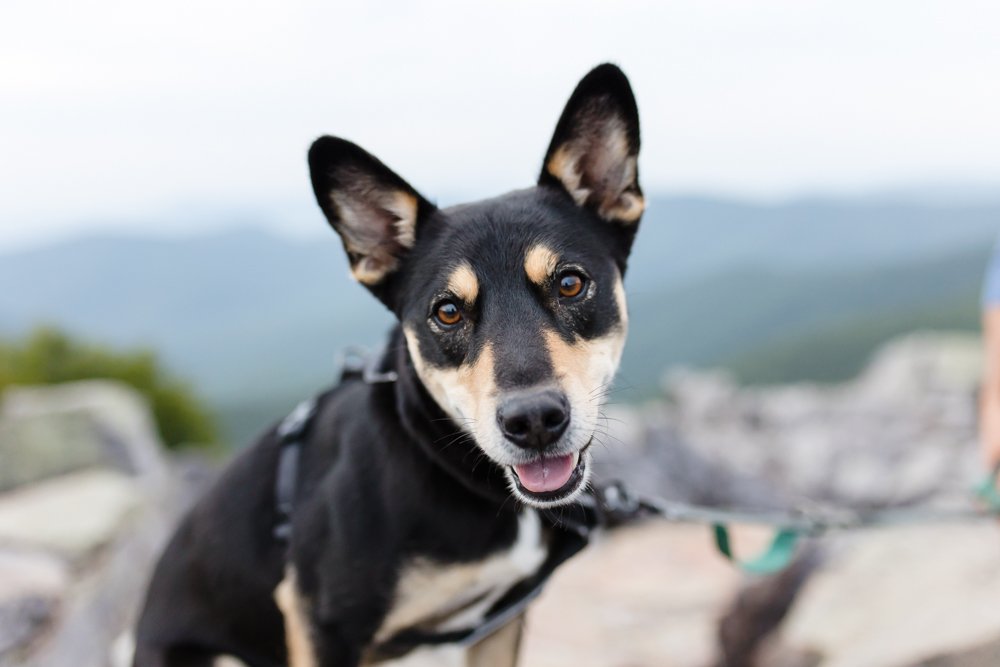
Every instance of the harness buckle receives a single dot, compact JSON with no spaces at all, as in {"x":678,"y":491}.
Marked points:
{"x":357,"y":362}
{"x":292,"y":426}
{"x":616,"y":504}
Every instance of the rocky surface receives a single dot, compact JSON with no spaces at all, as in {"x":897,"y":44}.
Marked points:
{"x":86,"y":500}
{"x":903,"y":433}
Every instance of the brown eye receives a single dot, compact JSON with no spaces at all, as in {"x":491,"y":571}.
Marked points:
{"x":570,"y":285}
{"x":448,"y":314}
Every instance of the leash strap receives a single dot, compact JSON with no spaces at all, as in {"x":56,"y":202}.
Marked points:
{"x":775,"y":558}
{"x":987,"y":491}
{"x":616,"y":505}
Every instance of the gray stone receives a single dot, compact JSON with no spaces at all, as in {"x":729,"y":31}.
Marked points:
{"x":35,"y":448}
{"x":32,"y":585}
{"x":48,"y":431}
{"x":81,"y":531}
{"x":73,"y":515}
{"x":895,"y":597}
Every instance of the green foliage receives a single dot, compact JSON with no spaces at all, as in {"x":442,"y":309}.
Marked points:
{"x":773,"y":326}
{"x":48,"y":356}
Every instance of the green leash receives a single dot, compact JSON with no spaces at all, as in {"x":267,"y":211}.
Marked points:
{"x":987,"y":491}
{"x":619,"y":506}
{"x":780,"y":552}
{"x":775,"y":558}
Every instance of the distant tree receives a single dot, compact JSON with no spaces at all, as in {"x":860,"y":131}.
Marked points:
{"x":49,"y":356}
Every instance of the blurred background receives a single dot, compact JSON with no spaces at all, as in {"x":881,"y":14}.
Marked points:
{"x":823,"y":185}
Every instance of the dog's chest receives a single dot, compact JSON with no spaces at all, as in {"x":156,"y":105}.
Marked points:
{"x":442,"y":597}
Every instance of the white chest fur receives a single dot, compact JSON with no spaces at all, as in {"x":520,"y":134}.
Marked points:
{"x":460,"y":594}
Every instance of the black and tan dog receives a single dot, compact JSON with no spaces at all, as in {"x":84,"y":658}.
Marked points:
{"x":420,"y":503}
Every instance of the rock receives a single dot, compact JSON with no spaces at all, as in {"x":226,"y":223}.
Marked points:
{"x":982,"y":655}
{"x":921,"y":364}
{"x":32,"y":584}
{"x":26,"y":573}
{"x":21,"y":621}
{"x":894,"y":597}
{"x":903,"y":433}
{"x":88,"y":504}
{"x":104,"y":599}
{"x":73,"y":515}
{"x":647,"y":596}
{"x":35,"y":448}
{"x":48,"y":431}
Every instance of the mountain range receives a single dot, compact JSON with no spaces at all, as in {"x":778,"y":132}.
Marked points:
{"x":799,"y":290}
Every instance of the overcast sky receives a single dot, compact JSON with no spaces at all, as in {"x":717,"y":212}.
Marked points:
{"x":172,"y":116}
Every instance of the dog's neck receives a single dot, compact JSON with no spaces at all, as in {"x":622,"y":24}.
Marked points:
{"x":439,"y":437}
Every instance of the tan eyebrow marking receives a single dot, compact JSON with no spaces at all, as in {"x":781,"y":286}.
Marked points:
{"x":463,"y":283}
{"x":539,"y":263}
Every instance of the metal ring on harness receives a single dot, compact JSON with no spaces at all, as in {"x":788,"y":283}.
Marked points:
{"x":356,"y":361}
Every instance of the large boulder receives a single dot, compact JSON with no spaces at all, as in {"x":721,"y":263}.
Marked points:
{"x":902,"y":433}
{"x":86,"y":500}
{"x":51,"y":430}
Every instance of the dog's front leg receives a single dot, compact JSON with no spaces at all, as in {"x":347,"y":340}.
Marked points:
{"x":308,"y":645}
{"x":499,"y":649}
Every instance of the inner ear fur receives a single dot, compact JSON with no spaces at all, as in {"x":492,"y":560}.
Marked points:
{"x":594,"y":151}
{"x":375,"y":212}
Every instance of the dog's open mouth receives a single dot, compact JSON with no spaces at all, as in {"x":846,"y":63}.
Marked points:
{"x":550,"y":477}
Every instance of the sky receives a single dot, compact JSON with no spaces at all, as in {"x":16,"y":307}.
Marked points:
{"x":183,"y":116}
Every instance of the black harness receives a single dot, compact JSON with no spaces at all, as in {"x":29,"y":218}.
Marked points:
{"x":602,"y":507}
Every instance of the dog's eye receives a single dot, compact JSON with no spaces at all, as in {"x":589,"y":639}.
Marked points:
{"x":447,"y":314}
{"x":570,"y":284}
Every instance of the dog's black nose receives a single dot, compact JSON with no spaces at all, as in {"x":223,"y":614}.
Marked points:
{"x":534,"y":419}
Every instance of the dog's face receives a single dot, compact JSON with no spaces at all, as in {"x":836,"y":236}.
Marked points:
{"x":512,"y":308}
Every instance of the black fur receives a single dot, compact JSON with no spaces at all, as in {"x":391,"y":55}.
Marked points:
{"x":385,"y":475}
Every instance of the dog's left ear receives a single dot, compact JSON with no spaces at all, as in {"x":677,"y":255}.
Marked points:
{"x":594,"y":151}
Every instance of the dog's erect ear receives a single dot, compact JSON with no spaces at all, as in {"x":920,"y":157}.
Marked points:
{"x":375,"y":211}
{"x":594,"y":151}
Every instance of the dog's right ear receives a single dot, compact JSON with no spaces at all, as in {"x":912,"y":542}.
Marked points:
{"x":375,"y":211}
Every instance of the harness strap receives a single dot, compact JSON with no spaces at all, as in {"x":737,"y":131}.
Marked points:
{"x":355,"y":364}
{"x":290,"y":434}
{"x":566,"y":544}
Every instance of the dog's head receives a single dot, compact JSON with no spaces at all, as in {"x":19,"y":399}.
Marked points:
{"x":512,"y":308}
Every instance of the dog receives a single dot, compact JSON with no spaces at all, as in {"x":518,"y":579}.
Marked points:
{"x":420,"y":503}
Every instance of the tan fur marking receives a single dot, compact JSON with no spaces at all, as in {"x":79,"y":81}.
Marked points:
{"x":458,"y":390}
{"x":454,"y":595}
{"x":404,"y":206}
{"x":540,"y":263}
{"x":464,"y":284}
{"x":301,"y":652}
{"x":564,"y":165}
{"x":499,"y":649}
{"x":584,"y":368}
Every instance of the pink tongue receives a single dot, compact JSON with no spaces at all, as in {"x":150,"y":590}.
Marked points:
{"x":547,"y":474}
